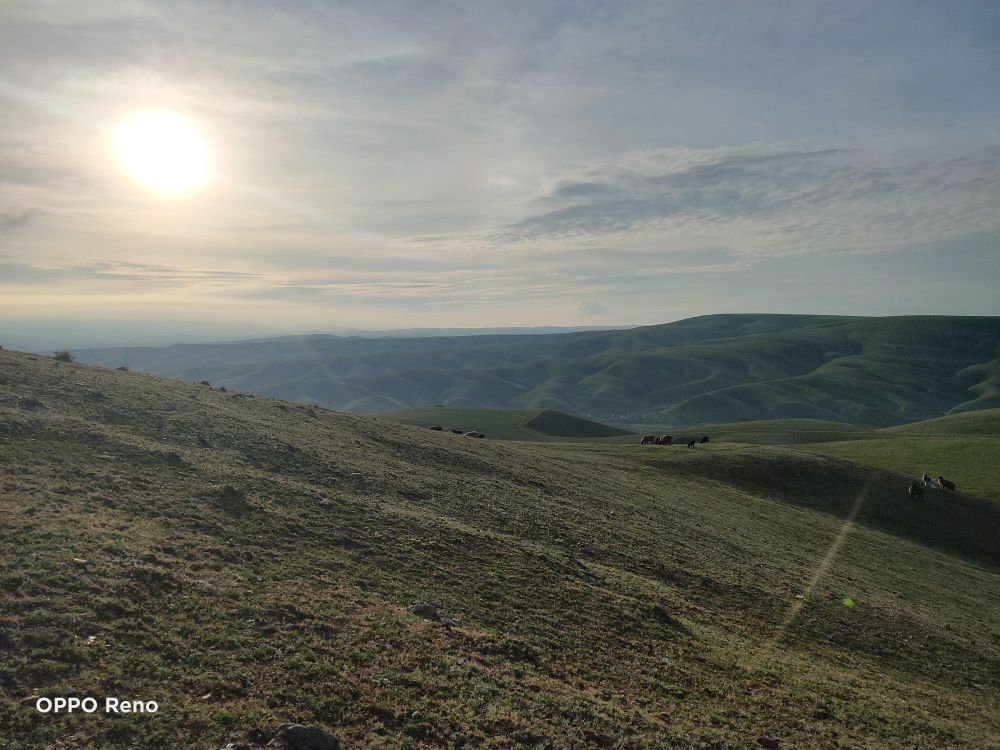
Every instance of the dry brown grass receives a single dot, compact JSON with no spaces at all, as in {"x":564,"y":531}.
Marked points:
{"x":600,"y":598}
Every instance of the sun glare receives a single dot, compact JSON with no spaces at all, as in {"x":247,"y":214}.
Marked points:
{"x":163,"y":152}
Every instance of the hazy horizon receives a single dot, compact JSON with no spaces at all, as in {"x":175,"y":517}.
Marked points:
{"x":44,"y":336}
{"x":41,"y":335}
{"x":385,"y":166}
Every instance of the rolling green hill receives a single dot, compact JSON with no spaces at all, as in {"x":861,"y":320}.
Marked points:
{"x":506,"y":424}
{"x":556,"y":424}
{"x":964,"y":447}
{"x":781,"y":431}
{"x":712,"y":369}
{"x":498,"y":424}
{"x":971,"y":462}
{"x":247,"y":562}
{"x":985,"y":422}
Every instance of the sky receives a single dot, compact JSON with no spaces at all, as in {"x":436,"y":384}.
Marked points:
{"x":445,"y":164}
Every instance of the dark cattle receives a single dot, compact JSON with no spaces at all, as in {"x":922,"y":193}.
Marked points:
{"x":691,"y":443}
{"x":704,"y":439}
{"x":458,"y":432}
{"x":928,"y":482}
{"x":436,"y":428}
{"x":946,"y":484}
{"x":648,"y":440}
{"x":664,"y":439}
{"x":915,"y":491}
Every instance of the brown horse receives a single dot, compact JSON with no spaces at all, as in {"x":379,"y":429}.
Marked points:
{"x":664,"y":439}
{"x":648,"y":440}
{"x":945,"y":484}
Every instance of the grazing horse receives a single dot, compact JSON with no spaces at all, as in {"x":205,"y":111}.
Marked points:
{"x":945,"y":484}
{"x":704,"y":439}
{"x":664,"y":439}
{"x":915,"y":491}
{"x":691,"y":443}
{"x":648,"y":440}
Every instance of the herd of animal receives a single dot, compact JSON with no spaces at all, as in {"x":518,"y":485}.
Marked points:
{"x":471,"y":433}
{"x":916,"y":488}
{"x":645,"y":440}
{"x":669,"y":440}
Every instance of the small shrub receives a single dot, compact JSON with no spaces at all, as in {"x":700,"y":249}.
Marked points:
{"x":173,"y":459}
{"x":204,"y":382}
{"x":123,"y":368}
{"x":224,"y":389}
{"x":231,"y":499}
{"x":64,"y":355}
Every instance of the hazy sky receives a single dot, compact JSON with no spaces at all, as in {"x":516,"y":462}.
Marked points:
{"x":383,"y":164}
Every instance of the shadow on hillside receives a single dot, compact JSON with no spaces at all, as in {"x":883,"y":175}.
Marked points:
{"x":958,"y":524}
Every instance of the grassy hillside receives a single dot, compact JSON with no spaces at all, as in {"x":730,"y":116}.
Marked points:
{"x":598,"y":596}
{"x":782,"y":431}
{"x":498,"y":424}
{"x":985,"y":422}
{"x":556,"y":424}
{"x":506,"y":424}
{"x":964,"y":447}
{"x":973,"y":462}
{"x":712,"y":369}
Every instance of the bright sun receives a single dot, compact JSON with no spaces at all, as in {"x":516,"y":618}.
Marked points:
{"x":162,"y":151}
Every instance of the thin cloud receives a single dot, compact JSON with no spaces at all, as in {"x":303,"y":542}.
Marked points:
{"x":10,"y":222}
{"x":14,"y":272}
{"x":523,"y":157}
{"x":592,"y":307}
{"x":794,"y":201}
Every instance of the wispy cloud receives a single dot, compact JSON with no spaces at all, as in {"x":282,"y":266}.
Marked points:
{"x":12,"y":221}
{"x":505,"y":161}
{"x":592,"y":307}
{"x":764,"y":200}
{"x":15,"y":273}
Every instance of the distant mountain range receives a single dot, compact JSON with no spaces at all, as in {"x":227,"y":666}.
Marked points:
{"x":42,"y":335}
{"x":716,"y":368}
